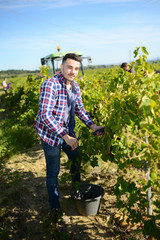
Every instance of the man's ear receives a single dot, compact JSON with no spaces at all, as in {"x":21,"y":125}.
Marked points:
{"x":61,"y":67}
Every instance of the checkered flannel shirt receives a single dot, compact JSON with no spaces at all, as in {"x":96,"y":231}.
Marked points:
{"x":52,"y":103}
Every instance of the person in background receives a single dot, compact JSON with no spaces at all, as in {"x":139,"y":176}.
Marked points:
{"x":60,"y":99}
{"x":9,"y":85}
{"x":4,"y":84}
{"x":125,"y":67}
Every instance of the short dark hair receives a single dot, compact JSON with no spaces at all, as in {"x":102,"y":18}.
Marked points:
{"x":72,"y":56}
{"x":124,"y":65}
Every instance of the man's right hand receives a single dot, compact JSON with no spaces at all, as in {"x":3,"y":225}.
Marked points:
{"x":71,"y":141}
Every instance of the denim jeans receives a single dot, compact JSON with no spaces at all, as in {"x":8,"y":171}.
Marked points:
{"x":52,"y":156}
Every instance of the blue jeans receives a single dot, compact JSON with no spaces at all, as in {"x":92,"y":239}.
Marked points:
{"x":52,"y":156}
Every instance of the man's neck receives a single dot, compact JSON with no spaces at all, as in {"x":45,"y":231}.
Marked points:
{"x":68,"y":85}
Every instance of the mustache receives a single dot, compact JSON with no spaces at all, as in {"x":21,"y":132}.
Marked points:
{"x":71,"y":74}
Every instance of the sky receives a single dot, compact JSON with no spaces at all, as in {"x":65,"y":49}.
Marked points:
{"x":106,"y":30}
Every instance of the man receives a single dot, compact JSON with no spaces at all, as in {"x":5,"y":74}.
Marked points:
{"x":4,"y":83}
{"x":125,"y":67}
{"x":60,"y":99}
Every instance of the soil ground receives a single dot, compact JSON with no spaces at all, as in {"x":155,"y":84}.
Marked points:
{"x":24,"y":203}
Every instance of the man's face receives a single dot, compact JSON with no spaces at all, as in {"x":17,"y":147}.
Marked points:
{"x":70,"y":69}
{"x":126,"y":68}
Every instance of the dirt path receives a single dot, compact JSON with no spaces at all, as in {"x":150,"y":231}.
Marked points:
{"x":24,"y":202}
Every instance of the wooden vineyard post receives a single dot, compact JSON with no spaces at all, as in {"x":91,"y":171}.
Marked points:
{"x":147,"y":171}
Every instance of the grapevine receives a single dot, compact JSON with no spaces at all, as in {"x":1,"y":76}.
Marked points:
{"x":127,"y":105}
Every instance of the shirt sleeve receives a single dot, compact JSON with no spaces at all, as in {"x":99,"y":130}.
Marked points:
{"x":47,"y":104}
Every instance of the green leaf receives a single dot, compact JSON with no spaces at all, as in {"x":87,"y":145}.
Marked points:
{"x":94,"y":163}
{"x":144,"y":50}
{"x":136,"y":52}
{"x":126,"y":119}
{"x":117,"y":104}
{"x":137,"y":163}
{"x":145,"y":102}
{"x":153,"y":103}
{"x":155,"y":97}
{"x":144,"y":57}
{"x":140,"y":59}
{"x":153,"y":175}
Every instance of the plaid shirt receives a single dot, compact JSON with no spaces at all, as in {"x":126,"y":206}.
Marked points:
{"x":52,"y":104}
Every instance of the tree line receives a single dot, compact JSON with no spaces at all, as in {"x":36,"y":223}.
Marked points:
{"x":12,"y":72}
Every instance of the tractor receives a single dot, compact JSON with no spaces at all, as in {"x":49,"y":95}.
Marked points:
{"x":53,"y":59}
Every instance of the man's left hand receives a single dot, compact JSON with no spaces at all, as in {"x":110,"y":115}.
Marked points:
{"x":95,"y":128}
